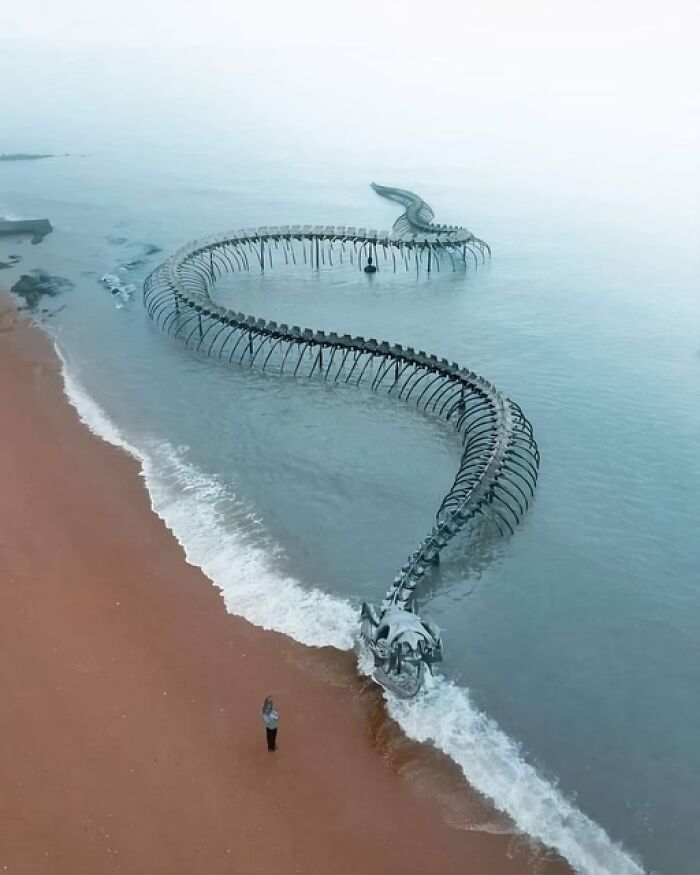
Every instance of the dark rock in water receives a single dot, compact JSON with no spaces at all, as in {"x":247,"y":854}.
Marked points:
{"x":38,"y":228}
{"x":146,"y":248}
{"x":33,"y":287}
{"x":146,"y":251}
{"x":22,"y":156}
{"x":13,"y":260}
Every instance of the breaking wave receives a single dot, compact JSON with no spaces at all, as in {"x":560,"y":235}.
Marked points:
{"x":493,"y":764}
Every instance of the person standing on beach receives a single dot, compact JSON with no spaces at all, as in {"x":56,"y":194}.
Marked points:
{"x":270,"y":719}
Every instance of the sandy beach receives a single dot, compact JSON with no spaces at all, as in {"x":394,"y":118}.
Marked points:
{"x":130,"y":699}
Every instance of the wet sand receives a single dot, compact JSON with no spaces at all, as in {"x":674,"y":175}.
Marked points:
{"x":130,"y":733}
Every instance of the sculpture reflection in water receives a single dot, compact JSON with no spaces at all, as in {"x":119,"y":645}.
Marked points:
{"x":498,"y":468}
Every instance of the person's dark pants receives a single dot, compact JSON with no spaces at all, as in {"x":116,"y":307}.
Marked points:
{"x":271,"y":736}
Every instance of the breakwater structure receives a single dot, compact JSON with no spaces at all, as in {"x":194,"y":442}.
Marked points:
{"x":38,"y":228}
{"x":499,"y":464}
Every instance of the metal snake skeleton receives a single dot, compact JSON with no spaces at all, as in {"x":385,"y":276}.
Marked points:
{"x":500,"y":460}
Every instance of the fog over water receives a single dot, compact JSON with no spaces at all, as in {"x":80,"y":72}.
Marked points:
{"x":564,"y":135}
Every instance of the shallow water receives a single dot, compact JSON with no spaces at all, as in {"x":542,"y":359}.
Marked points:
{"x":580,"y":635}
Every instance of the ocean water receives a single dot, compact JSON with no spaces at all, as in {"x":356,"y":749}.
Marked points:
{"x":569,"y":689}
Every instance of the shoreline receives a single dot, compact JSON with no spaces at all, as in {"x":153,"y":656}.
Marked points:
{"x":132,"y":737}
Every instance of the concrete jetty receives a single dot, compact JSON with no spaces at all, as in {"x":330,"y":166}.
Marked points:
{"x":38,"y":228}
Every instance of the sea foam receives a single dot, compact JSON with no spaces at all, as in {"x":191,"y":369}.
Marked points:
{"x":492,"y":763}
{"x":191,"y":504}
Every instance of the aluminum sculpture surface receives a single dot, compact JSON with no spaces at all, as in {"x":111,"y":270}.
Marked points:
{"x":500,"y":460}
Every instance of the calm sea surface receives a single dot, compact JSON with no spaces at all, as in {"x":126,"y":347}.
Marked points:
{"x":580,"y":635}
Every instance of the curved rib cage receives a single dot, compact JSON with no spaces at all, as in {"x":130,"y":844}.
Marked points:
{"x":500,"y":460}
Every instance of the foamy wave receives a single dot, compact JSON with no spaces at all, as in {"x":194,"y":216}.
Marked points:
{"x":491,"y":762}
{"x":90,"y":413}
{"x":192,"y":505}
{"x":123,"y":292}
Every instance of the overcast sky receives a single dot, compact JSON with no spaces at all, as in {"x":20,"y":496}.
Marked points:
{"x":583,"y":25}
{"x":597,"y":72}
{"x":648,"y":51}
{"x":634,"y":45}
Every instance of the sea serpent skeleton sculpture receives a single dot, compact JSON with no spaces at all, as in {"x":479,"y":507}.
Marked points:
{"x":498,"y":469}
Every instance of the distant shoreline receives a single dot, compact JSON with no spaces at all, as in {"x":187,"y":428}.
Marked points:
{"x":37,"y":156}
{"x":24,"y":156}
